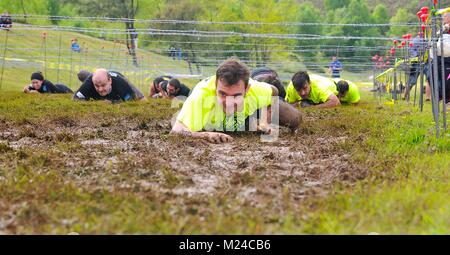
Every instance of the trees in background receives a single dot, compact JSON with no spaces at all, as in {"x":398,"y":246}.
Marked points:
{"x":243,"y":43}
{"x":402,"y":16}
{"x":126,"y":10}
{"x":53,"y":10}
{"x":380,"y":15}
{"x":309,"y":47}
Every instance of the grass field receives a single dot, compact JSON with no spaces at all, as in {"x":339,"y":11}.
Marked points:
{"x":26,"y":53}
{"x":93,"y":168}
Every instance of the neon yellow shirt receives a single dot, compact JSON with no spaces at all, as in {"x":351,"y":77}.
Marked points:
{"x":201,"y":110}
{"x":352,"y":96}
{"x":321,"y":89}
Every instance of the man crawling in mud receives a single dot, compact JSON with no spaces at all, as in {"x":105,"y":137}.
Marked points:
{"x":109,"y":86}
{"x":230,"y":101}
{"x":312,"y":91}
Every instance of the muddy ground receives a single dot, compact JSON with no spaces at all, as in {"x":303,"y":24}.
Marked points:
{"x":139,"y":156}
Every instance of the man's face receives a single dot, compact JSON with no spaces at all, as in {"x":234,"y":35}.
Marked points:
{"x":102,"y":85}
{"x":231,"y":97}
{"x":334,"y":58}
{"x":36,"y":84}
{"x":172,"y":90}
{"x":305,"y":91}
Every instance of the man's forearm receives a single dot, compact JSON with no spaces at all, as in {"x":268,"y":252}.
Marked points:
{"x":266,"y":117}
{"x":328,"y":104}
{"x":296,"y":104}
{"x":164,"y":95}
{"x":181,"y":130}
{"x":152,"y":92}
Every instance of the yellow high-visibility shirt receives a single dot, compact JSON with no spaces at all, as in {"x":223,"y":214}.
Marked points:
{"x":321,"y":89}
{"x":353,"y":95}
{"x":201,"y":110}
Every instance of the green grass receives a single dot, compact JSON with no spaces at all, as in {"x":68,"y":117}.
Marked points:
{"x":410,"y":198}
{"x":406,"y":190}
{"x":28,"y":46}
{"x":27,"y":53}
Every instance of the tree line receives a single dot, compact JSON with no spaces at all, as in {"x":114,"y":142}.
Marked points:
{"x":257,"y":51}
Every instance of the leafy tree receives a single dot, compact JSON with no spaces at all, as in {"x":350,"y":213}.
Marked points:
{"x":335,"y":4}
{"x":208,"y":50}
{"x":125,"y":9}
{"x":358,"y":13}
{"x":402,"y":16}
{"x":270,"y":12}
{"x":181,"y":10}
{"x":53,"y":9}
{"x":24,"y":7}
{"x":308,"y":13}
{"x":380,"y":15}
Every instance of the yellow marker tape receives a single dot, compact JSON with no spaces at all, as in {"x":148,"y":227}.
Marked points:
{"x":390,"y":102}
{"x":383,"y":76}
{"x":398,"y":63}
{"x":442,"y":11}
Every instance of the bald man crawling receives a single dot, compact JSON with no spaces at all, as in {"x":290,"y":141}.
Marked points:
{"x":107,"y":85}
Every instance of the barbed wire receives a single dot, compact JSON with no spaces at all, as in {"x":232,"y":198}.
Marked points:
{"x":148,"y":66}
{"x":321,"y":46}
{"x":199,"y":33}
{"x":196,"y":22}
{"x":186,"y":51}
{"x":261,"y":44}
{"x":121,"y":58}
{"x":312,"y":47}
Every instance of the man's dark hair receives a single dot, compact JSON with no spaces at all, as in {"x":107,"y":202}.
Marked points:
{"x":267,"y":75}
{"x":83,"y":75}
{"x":164,"y":85}
{"x":272,"y":80}
{"x":300,"y":79}
{"x":260,"y":71}
{"x":159,"y":79}
{"x":342,"y":86}
{"x":175,"y":83}
{"x":231,"y":71}
{"x":37,"y":76}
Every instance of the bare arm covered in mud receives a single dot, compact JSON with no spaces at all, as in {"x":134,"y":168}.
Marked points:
{"x":288,"y":116}
{"x":266,"y":118}
{"x":164,"y":94}
{"x":27,"y":89}
{"x":213,"y":137}
{"x":333,"y":101}
{"x":152,"y":91}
